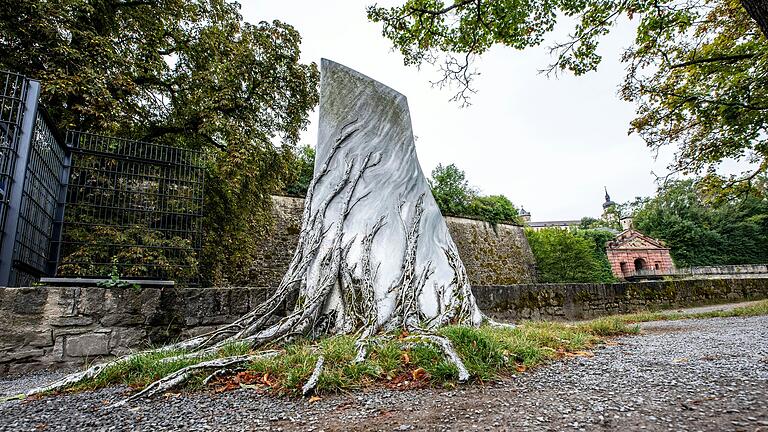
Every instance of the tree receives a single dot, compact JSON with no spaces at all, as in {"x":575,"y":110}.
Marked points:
{"x":302,"y":168}
{"x":451,"y":189}
{"x":697,"y":71}
{"x":563,"y":256}
{"x":374,"y":254}
{"x":599,"y":237}
{"x":494,"y":209}
{"x":702,"y":231}
{"x":182,"y":72}
{"x":456,"y":197}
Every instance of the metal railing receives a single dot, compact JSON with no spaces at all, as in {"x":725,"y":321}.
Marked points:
{"x":134,"y":207}
{"x":683,"y":272}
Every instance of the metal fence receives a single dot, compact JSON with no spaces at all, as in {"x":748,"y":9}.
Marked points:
{"x":134,"y":208}
{"x":33,"y":172}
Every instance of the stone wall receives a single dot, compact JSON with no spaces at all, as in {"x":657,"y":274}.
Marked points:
{"x":492,"y":255}
{"x":59,"y":327}
{"x":275,"y":250}
{"x":66,"y":326}
{"x":585,"y":301}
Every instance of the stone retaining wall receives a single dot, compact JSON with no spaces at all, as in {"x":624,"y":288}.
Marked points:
{"x":586,"y":301}
{"x":58,"y":327}
{"x":497,"y":255}
{"x":67,"y":326}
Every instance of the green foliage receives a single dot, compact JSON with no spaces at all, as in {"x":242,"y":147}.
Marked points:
{"x":701,"y":230}
{"x":456,"y":197}
{"x":588,"y":223}
{"x":451,"y":189}
{"x":302,"y":170}
{"x":570,"y":256}
{"x":115,"y":279}
{"x":598,"y":238}
{"x":135,"y":251}
{"x":182,"y":72}
{"x":494,"y":209}
{"x":697,"y":71}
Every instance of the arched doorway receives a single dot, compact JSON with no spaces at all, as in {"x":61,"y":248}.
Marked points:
{"x":640,"y":264}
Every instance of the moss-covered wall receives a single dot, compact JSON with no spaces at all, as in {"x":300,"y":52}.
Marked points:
{"x":585,"y":301}
{"x":493,"y":255}
{"x":497,"y":255}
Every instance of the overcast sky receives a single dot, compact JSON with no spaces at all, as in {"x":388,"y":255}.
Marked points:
{"x":549,"y":144}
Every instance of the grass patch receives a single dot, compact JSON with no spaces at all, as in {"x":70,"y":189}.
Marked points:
{"x":755,"y":309}
{"x":488,"y":353}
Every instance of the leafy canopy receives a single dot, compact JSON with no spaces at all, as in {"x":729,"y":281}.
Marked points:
{"x":697,"y":71}
{"x":456,"y":197}
{"x":185,"y":72}
{"x":702,"y":231}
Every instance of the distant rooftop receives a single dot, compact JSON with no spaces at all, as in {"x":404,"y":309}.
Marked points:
{"x":553,"y":223}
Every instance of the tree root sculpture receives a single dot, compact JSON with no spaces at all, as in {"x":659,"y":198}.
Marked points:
{"x":373,"y":256}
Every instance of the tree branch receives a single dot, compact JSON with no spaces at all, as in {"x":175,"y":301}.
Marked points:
{"x":445,"y":9}
{"x":729,"y":59}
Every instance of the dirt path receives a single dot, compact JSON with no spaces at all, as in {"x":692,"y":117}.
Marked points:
{"x":683,"y":375}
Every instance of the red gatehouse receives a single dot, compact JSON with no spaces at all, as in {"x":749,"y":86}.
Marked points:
{"x":633,"y":254}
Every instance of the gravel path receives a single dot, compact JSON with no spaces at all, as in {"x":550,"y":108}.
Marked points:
{"x":684,"y":375}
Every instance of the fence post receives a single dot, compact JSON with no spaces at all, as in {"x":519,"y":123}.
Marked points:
{"x":58,"y":218}
{"x":17,"y":182}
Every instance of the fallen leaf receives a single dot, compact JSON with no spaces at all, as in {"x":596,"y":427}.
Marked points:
{"x":521,"y":368}
{"x":265,"y":379}
{"x":406,"y":358}
{"x":419,"y":374}
{"x":314,"y":399}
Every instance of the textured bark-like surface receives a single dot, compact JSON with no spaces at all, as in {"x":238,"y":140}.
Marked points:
{"x":758,"y":10}
{"x":398,"y":244}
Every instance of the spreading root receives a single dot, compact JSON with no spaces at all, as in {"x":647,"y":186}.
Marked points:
{"x":337,"y":299}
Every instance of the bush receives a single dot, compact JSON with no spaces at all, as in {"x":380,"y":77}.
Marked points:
{"x":564,"y":256}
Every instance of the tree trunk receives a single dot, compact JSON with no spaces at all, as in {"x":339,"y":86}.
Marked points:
{"x":758,"y":10}
{"x":374,"y":254}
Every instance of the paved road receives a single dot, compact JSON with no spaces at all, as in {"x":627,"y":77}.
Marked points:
{"x":707,"y":375}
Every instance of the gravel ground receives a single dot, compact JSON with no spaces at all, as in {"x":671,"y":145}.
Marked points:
{"x":684,"y":375}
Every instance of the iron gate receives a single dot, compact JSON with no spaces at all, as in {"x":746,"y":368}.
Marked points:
{"x":33,"y":172}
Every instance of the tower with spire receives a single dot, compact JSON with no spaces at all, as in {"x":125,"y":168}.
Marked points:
{"x":608,"y":206}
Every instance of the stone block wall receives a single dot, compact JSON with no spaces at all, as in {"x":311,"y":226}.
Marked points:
{"x":275,"y":250}
{"x":497,"y":255}
{"x":572,"y":302}
{"x":493,"y":255}
{"x":57,"y":327}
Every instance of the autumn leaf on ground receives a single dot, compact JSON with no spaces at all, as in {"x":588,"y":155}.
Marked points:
{"x":406,"y":358}
{"x":521,"y":368}
{"x":314,"y":399}
{"x":419,"y":374}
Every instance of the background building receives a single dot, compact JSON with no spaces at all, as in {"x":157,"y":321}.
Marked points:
{"x":633,"y":254}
